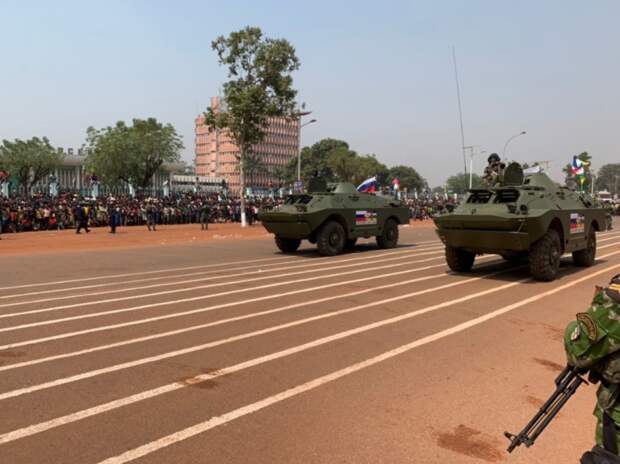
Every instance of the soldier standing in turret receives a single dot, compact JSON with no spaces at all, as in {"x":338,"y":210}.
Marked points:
{"x":592,"y":343}
{"x":493,"y":171}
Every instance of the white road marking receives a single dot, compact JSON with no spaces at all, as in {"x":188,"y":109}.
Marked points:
{"x":239,"y":318}
{"x":69,"y":418}
{"x":216,"y":421}
{"x":259,"y":268}
{"x":193,"y":311}
{"x":99,"y":409}
{"x":202,"y":279}
{"x":174,"y":269}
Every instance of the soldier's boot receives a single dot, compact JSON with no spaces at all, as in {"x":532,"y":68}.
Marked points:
{"x":599,"y":455}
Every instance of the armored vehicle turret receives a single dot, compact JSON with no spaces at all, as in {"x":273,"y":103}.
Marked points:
{"x":524,"y":216}
{"x":334,"y":216}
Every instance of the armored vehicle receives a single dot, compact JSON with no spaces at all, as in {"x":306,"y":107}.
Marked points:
{"x":523,"y":216}
{"x":334,"y":217}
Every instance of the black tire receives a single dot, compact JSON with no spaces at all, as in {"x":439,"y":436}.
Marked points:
{"x":389,"y":237}
{"x":545,"y":257}
{"x":459,"y":260}
{"x":287,"y":245}
{"x":331,"y":239}
{"x":349,"y":244}
{"x":587,"y":256}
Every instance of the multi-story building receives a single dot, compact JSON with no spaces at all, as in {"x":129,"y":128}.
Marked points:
{"x":217,"y":155}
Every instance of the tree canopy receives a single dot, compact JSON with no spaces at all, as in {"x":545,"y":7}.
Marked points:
{"x":132,"y":154}
{"x":608,"y":178}
{"x":409,"y":178}
{"x":334,"y":160}
{"x":260,"y":86}
{"x":459,"y":183}
{"x":29,"y":161}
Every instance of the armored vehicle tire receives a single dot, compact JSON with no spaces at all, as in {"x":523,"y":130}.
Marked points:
{"x":459,"y":260}
{"x":389,"y":238}
{"x":586,"y":257}
{"x":287,"y":245}
{"x":545,"y":257}
{"x":350,"y":243}
{"x":330,"y":239}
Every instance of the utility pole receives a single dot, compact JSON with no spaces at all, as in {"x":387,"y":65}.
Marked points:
{"x":458,"y":97}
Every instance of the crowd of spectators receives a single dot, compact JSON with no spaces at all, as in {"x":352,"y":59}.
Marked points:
{"x":41,"y":212}
{"x":429,"y":207}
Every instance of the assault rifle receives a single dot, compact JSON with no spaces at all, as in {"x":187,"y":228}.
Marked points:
{"x":567,"y":384}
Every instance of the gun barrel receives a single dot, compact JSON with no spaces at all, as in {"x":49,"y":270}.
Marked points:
{"x":567,"y":383}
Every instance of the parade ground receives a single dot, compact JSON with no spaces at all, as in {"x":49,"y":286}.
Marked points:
{"x":184,"y":346}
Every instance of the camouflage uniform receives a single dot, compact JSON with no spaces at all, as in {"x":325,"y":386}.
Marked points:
{"x":492,"y":173}
{"x":592,"y":342}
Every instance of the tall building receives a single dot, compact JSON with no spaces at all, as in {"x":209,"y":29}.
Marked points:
{"x":216,"y":154}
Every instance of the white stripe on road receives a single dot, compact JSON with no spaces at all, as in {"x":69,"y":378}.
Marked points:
{"x":259,"y":268}
{"x":210,"y":308}
{"x":99,"y":409}
{"x":173,"y":269}
{"x":216,"y":421}
{"x":202,"y":279}
{"x":214,"y":295}
{"x":234,"y":319}
{"x":69,"y":418}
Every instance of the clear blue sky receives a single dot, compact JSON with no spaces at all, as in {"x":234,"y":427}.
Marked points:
{"x":376,"y":74}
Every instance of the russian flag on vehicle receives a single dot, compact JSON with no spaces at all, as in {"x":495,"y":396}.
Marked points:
{"x":368,"y":186}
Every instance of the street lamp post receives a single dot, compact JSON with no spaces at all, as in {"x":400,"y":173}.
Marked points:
{"x":299,"y":138}
{"x":510,"y":140}
{"x":472,"y":153}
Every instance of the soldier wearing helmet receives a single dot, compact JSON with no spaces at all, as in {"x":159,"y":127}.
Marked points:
{"x":592,"y":343}
{"x":493,"y":171}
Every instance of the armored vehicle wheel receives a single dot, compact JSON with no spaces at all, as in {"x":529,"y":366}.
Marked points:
{"x":585,"y":257}
{"x":545,"y":257}
{"x":287,"y":245}
{"x":330,"y":240}
{"x":389,"y":238}
{"x":350,"y":243}
{"x":459,"y":260}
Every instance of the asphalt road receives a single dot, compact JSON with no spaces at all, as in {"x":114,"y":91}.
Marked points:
{"x":234,"y":353}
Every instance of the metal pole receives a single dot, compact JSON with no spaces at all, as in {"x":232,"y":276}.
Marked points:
{"x":471,"y":169}
{"x":510,"y":140}
{"x":299,"y":150}
{"x":299,"y":139}
{"x":458,"y":96}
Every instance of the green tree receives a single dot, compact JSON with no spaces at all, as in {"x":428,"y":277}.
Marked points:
{"x":409,"y":178}
{"x":569,"y":178}
{"x":343,"y":164}
{"x":368,"y":166}
{"x":29,"y":161}
{"x":132,"y":154}
{"x":609,"y":178}
{"x":459,"y":183}
{"x":260,"y":86}
{"x":315,"y":159}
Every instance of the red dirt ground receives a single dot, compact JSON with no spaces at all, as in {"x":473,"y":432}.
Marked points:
{"x":66,"y":241}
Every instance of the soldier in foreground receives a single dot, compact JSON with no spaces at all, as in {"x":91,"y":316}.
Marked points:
{"x":592,"y":344}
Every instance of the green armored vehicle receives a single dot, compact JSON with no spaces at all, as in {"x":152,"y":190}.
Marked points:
{"x":524,"y":216}
{"x":334,"y":217}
